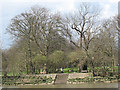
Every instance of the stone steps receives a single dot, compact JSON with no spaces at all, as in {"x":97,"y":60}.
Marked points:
{"x":61,"y":79}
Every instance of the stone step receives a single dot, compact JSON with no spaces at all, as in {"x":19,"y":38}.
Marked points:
{"x":61,"y":79}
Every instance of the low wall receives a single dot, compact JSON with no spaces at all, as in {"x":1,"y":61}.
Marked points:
{"x":78,"y":75}
{"x":70,"y":76}
{"x":47,"y":75}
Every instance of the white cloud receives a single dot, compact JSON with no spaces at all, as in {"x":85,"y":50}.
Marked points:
{"x":108,"y":9}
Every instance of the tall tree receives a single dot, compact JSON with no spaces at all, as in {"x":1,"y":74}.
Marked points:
{"x":83,"y":26}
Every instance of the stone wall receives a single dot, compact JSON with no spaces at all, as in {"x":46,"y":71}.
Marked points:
{"x":78,"y":75}
{"x":48,"y":76}
{"x":70,"y":76}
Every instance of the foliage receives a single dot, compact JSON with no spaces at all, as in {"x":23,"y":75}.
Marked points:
{"x":39,"y":60}
{"x":57,"y":60}
{"x":77,"y":57}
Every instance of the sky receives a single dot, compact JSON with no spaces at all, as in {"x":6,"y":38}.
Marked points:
{"x":11,"y":8}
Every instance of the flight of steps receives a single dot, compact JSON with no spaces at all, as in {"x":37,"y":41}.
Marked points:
{"x":61,"y":79}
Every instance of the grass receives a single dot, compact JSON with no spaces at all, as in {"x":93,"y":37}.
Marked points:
{"x":66,"y":70}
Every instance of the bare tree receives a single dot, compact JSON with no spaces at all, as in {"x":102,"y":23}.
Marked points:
{"x":83,"y":26}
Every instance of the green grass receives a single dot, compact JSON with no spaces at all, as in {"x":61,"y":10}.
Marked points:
{"x":66,"y":70}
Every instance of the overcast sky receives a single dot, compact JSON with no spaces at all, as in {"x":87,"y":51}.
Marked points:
{"x":11,"y":8}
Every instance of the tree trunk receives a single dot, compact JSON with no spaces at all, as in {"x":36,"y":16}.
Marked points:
{"x":113,"y":65}
{"x":81,"y":41}
{"x":30,"y":56}
{"x":34,"y":69}
{"x":93,"y":72}
{"x":5,"y":74}
{"x":39,"y":71}
{"x":31,"y":68}
{"x":79,"y":69}
{"x":27,"y":68}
